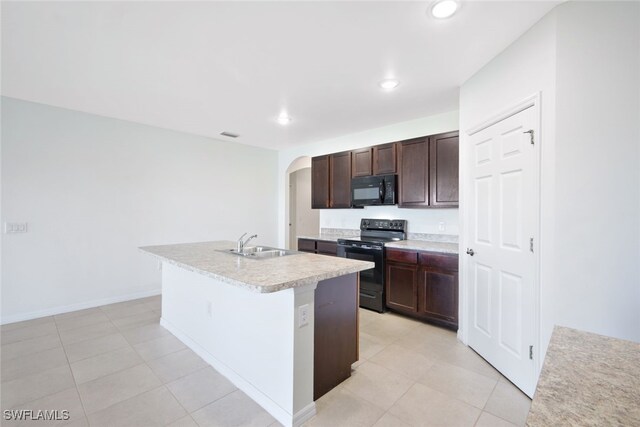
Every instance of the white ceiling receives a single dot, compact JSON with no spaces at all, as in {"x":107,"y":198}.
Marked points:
{"x":209,"y":67}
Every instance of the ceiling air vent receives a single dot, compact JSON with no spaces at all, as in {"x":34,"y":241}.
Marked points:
{"x":230,"y":135}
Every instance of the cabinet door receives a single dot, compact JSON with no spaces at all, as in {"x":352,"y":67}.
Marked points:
{"x":384,"y":159}
{"x":361,"y":162}
{"x":307,"y":245}
{"x":340,"y":180}
{"x":443,"y":165}
{"x":438,"y":294}
{"x":327,"y":248}
{"x":401,"y":286}
{"x":413,"y":173}
{"x":320,"y":182}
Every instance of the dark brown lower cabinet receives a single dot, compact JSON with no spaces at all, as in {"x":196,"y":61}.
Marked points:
{"x":423,"y":284}
{"x":335,"y":332}
{"x":326,"y":248}
{"x":402,"y":295}
{"x":321,"y":247}
{"x":438,"y":295}
{"x":307,"y":245}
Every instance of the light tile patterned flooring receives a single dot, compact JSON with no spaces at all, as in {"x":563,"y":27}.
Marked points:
{"x":116,"y":366}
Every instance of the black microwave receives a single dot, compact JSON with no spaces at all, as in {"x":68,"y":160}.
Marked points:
{"x":373,"y":190}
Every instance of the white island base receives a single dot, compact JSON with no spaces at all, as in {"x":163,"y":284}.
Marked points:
{"x":254,"y":339}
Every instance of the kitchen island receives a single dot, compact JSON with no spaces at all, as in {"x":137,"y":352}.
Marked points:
{"x":283,"y":329}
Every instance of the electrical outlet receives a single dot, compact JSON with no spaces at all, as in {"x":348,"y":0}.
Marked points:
{"x":15,"y":227}
{"x":442,"y":226}
{"x":303,"y":315}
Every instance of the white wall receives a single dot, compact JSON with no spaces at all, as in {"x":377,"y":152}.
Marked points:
{"x":93,"y":189}
{"x":420,"y":220}
{"x":583,"y":59}
{"x":597,"y":170}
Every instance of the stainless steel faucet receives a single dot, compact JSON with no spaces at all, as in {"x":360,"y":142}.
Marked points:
{"x":241,"y":244}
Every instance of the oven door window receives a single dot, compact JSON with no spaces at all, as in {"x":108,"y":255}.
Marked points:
{"x":372,"y":278}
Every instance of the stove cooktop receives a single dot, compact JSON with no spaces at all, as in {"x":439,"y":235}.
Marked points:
{"x":378,"y":232}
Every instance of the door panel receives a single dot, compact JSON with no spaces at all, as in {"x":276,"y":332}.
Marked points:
{"x":504,"y":191}
{"x":482,"y":302}
{"x":483,"y":209}
{"x":511,"y":193}
{"x":510,"y":314}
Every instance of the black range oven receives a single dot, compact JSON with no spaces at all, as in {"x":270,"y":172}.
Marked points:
{"x":374,"y":233}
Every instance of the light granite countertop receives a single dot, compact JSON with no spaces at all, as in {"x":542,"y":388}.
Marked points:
{"x":443,"y":243}
{"x":258,"y":275}
{"x":322,"y":236}
{"x":331,"y":234}
{"x":587,"y":380}
{"x":425,"y":245}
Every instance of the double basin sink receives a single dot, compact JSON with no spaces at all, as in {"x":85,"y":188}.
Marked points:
{"x":260,"y":252}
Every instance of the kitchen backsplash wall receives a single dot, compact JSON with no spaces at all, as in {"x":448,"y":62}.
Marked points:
{"x":427,"y":221}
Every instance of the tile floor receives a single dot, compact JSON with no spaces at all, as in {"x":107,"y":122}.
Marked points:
{"x":116,"y":366}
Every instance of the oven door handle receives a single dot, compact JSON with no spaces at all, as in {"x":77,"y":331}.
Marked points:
{"x":355,"y":248}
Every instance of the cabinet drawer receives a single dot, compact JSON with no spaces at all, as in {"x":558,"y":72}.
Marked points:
{"x":439,"y":261}
{"x":306,"y":245}
{"x":327,"y":248}
{"x":397,"y":255}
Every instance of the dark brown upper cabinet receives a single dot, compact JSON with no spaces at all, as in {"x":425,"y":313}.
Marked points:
{"x":384,"y":159}
{"x":427,"y":169}
{"x":413,"y":173}
{"x":320,"y":182}
{"x":361,"y":162}
{"x":331,"y":181}
{"x":340,"y":180}
{"x":443,"y":169}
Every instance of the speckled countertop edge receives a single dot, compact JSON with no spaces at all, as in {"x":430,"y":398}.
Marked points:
{"x":257,"y":275}
{"x":423,"y":245}
{"x":587,"y":380}
{"x":323,"y":237}
{"x":443,"y":243}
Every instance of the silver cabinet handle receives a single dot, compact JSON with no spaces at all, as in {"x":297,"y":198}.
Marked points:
{"x":470,"y":252}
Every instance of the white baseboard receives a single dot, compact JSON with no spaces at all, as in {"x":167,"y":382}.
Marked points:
{"x":280,"y":414}
{"x":304,"y":415}
{"x":79,"y":306}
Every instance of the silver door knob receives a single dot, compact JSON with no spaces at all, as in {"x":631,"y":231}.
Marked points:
{"x":470,"y":252}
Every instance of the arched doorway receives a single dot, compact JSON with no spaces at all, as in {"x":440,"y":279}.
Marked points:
{"x":301,"y":219}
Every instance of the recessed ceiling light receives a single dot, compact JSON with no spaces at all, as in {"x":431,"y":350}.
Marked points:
{"x":443,"y":9}
{"x":389,"y":84}
{"x":284,"y":118}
